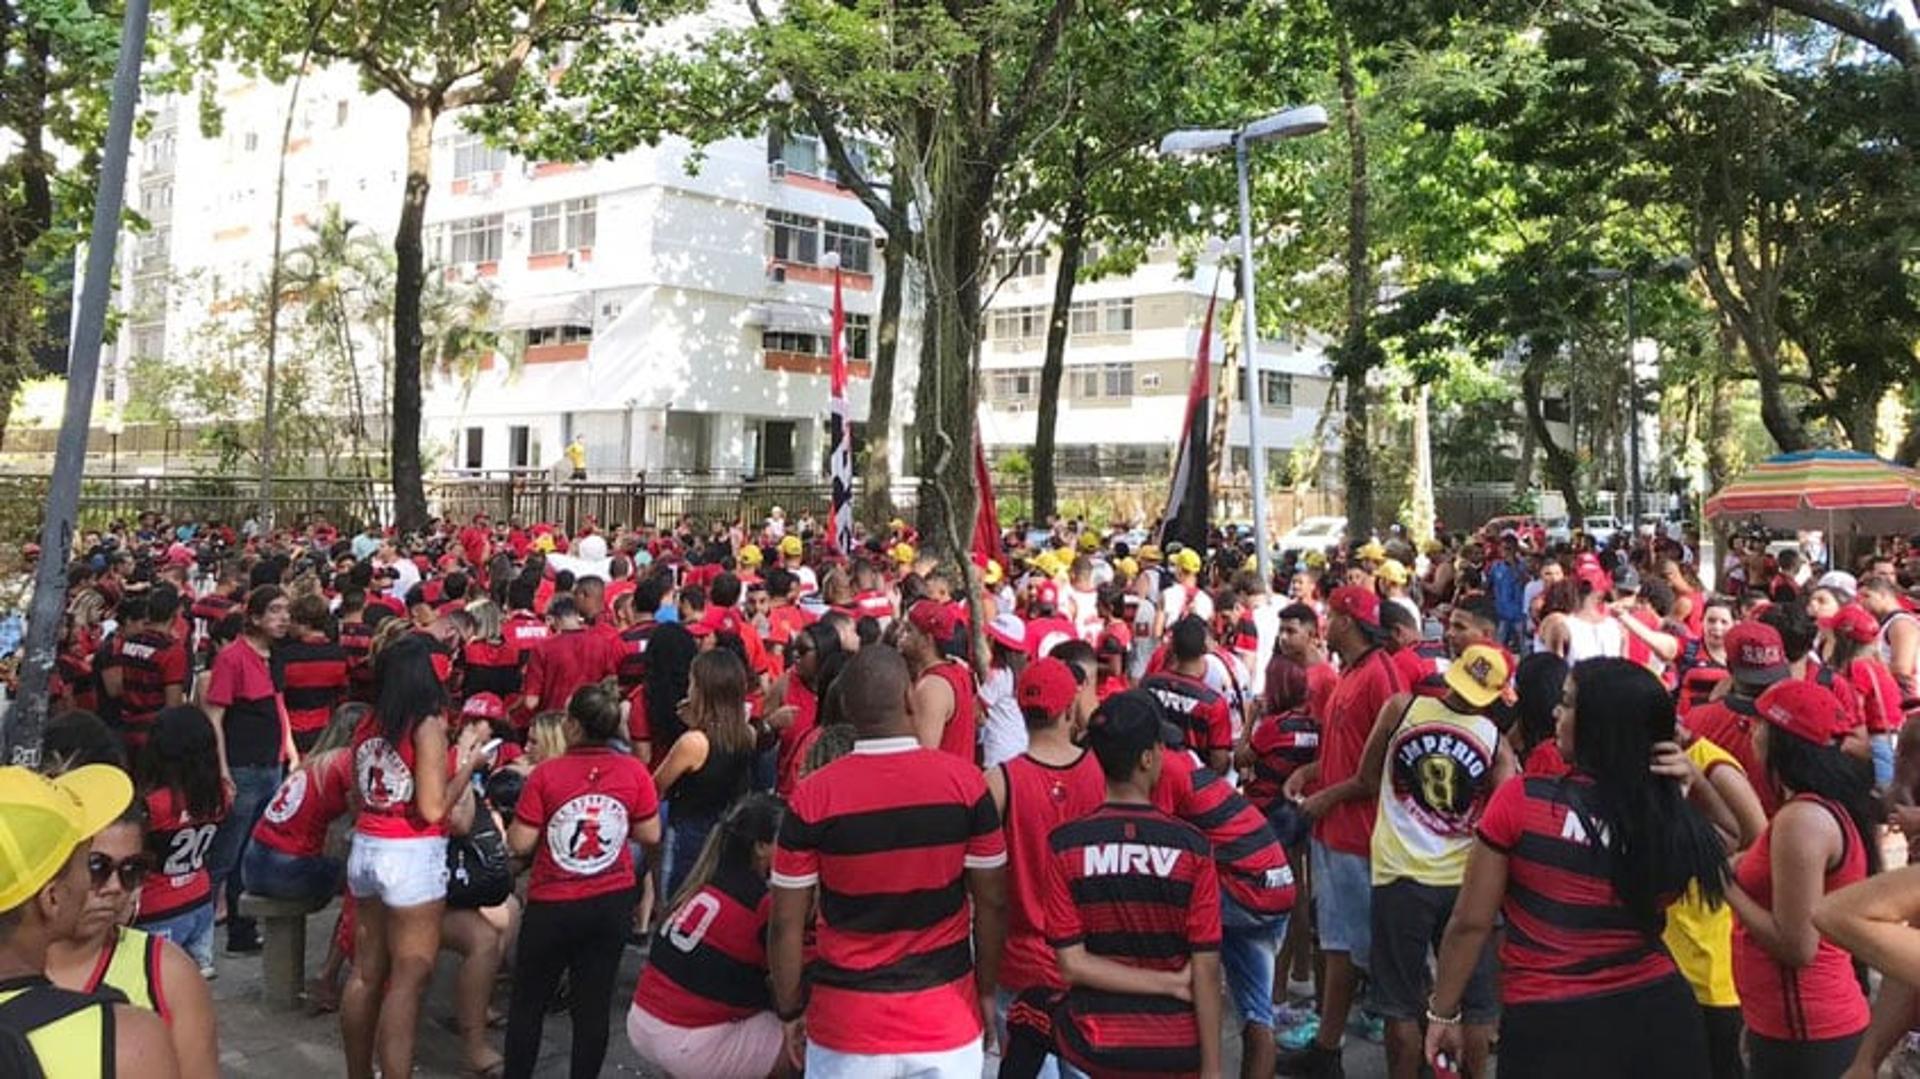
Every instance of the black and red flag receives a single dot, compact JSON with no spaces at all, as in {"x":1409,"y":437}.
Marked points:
{"x":1190,"y":502}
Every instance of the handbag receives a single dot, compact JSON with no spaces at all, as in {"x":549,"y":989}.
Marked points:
{"x":478,"y":873}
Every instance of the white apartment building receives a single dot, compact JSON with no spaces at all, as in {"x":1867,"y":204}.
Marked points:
{"x":1129,"y":364}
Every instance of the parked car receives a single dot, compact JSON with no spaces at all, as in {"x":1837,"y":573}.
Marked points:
{"x":1559,"y":530}
{"x":1313,"y":534}
{"x":1663,"y":526}
{"x":1513,"y":522}
{"x":1601,"y":527}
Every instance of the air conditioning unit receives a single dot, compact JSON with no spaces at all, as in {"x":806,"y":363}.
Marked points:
{"x":1016,"y":406}
{"x":776,"y":170}
{"x":880,"y":241}
{"x":482,"y":182}
{"x":466,"y":273}
{"x":610,"y":309}
{"x":1149,"y":382}
{"x":777,"y":274}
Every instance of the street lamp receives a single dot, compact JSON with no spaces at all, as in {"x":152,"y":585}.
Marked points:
{"x":1290,"y":124}
{"x":116,"y":424}
{"x":1678,"y":265}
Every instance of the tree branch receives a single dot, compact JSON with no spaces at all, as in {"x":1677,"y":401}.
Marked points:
{"x":1015,"y":113}
{"x":1885,"y":32}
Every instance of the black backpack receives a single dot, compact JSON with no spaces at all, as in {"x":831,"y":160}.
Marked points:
{"x":478,"y":871}
{"x":38,"y":1006}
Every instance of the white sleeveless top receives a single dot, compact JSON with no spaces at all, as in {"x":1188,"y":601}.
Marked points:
{"x":1592,"y":640}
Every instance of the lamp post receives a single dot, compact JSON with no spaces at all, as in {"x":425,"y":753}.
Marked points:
{"x":116,"y":424}
{"x":1290,"y":124}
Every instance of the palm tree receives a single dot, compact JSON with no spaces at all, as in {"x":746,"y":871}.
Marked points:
{"x":461,"y":328}
{"x":335,"y":277}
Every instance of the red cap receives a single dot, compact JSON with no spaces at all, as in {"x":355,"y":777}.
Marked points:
{"x":1855,"y":624}
{"x":1360,"y":604}
{"x":1046,"y":684}
{"x":933,"y":618}
{"x":1755,"y":654}
{"x":484,"y":706}
{"x":1804,"y":710}
{"x":1594,"y":579}
{"x":1047,"y":594}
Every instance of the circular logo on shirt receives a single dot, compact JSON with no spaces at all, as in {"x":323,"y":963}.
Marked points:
{"x":384,"y":778}
{"x":1438,"y":777}
{"x":586,"y":834}
{"x":287,"y":802}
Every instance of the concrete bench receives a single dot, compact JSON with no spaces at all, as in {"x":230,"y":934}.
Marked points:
{"x":283,"y":957}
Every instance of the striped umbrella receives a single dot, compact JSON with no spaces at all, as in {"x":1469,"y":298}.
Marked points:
{"x":1824,"y":489}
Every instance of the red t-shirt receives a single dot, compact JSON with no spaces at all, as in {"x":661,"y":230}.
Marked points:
{"x":149,"y":661}
{"x":249,"y":690}
{"x":1351,"y":712}
{"x":960,"y":737}
{"x":566,"y":661}
{"x":179,"y":842}
{"x":1280,"y":744}
{"x":789,"y":758}
{"x":1040,"y":798}
{"x":384,"y":776}
{"x":1567,"y":936}
{"x":585,"y":802}
{"x":295,"y":822}
{"x":1322,"y":680}
{"x":1545,"y":760}
{"x":888,"y":833}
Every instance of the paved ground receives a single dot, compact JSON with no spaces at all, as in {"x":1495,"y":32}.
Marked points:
{"x":257,"y":1041}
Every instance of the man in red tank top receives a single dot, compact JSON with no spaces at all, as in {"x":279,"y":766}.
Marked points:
{"x":1053,"y":782}
{"x":945,"y":701}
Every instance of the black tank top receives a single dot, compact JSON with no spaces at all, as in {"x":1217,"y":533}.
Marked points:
{"x":709,"y":789}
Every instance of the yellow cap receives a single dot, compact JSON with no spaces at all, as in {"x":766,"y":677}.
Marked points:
{"x":1371,"y":551}
{"x":1187,"y":561}
{"x":993,"y":574}
{"x":897,"y":525}
{"x":1432,"y":546}
{"x":1089,"y":542}
{"x":1316,"y":559}
{"x":1149,"y":553}
{"x":42,"y":820}
{"x":1127,"y":566}
{"x":1479,"y":675}
{"x":903,"y":553}
{"x":1392,"y":572}
{"x":791,"y":547}
{"x":543,"y":544}
{"x":750,"y":555}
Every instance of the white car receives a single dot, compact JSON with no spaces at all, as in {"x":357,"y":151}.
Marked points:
{"x":1601,"y":527}
{"x":1559,"y":530}
{"x":1313,"y":534}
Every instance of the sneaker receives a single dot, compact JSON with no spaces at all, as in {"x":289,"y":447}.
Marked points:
{"x":208,"y":973}
{"x":1297,"y":1034}
{"x":1314,"y":1061}
{"x":1368,"y":1026}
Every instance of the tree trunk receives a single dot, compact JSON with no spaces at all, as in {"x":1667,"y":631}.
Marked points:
{"x":1560,"y":466}
{"x":1356,"y":349}
{"x":1523,"y":475}
{"x":1232,"y":356}
{"x":409,"y":280}
{"x":1073,"y":235}
{"x":1908,"y":452}
{"x":876,"y":449}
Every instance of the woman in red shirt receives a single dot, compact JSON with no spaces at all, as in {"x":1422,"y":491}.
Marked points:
{"x":179,"y":779}
{"x":1582,"y":867}
{"x":406,"y":779}
{"x":575,"y":817}
{"x":1803,"y":1006}
{"x":701,"y":1009}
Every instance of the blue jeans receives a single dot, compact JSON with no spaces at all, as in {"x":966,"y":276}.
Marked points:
{"x":1249,"y":945}
{"x":191,"y":930}
{"x":1882,"y":747}
{"x":253,"y":788}
{"x":686,"y":834}
{"x":278,"y":875}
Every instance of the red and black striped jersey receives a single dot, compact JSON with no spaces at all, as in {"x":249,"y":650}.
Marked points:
{"x":888,"y":833}
{"x":1280,"y":744}
{"x":1040,"y":798}
{"x":708,"y":962}
{"x":492,"y":667}
{"x":1132,"y":885}
{"x":356,"y":640}
{"x":314,"y":670}
{"x":1202,"y":711}
{"x":1568,"y":934}
{"x":632,"y":668}
{"x":149,"y":661}
{"x":207,"y":612}
{"x":1253,"y":865}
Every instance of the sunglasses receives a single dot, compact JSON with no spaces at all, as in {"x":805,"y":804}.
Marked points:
{"x":132,"y":871}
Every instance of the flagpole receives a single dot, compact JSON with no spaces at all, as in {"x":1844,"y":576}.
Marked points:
{"x":840,"y":427}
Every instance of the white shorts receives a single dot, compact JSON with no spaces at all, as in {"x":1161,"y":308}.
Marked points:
{"x":398,"y":872}
{"x":746,"y":1049}
{"x":966,"y":1062}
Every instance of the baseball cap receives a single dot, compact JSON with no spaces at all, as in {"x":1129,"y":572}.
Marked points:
{"x":933,"y":618}
{"x":484,"y":706}
{"x":993,"y":573}
{"x":1392,"y":572}
{"x":1046,"y":684}
{"x":1124,"y":726}
{"x":1804,"y":710}
{"x":1046,"y":594}
{"x":1855,"y":624}
{"x":1594,"y":579}
{"x":1755,"y":655}
{"x":1149,"y":553}
{"x":1009,"y":630}
{"x":1839,"y":581}
{"x":1626,"y":580}
{"x":791,"y":547}
{"x":1187,"y":561}
{"x":1371,"y":551}
{"x":1360,"y":604}
{"x":1479,"y":676}
{"x":750,"y":555}
{"x":903,"y":553}
{"x":42,"y":820}
{"x":1089,"y":542}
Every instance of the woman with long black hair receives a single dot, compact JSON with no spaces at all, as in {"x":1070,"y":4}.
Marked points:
{"x":1538,"y":684}
{"x":407,"y":780}
{"x":178,"y":776}
{"x":1583,"y":867}
{"x":1803,"y":1006}
{"x":653,"y":721}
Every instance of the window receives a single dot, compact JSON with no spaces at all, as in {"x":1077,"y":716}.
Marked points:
{"x":1276,"y":390}
{"x":472,"y":155}
{"x":159,"y":155}
{"x":250,"y":142}
{"x":1014,"y":262}
{"x":340,"y":111}
{"x":1117,"y":315}
{"x":1012,"y":386}
{"x":476,"y":441}
{"x":563,"y":226}
{"x":859,"y":340}
{"x":320,"y":189}
{"x":1100,"y":316}
{"x":558,"y":335}
{"x":109,"y":380}
{"x":1107,"y":380}
{"x":1083,"y":317}
{"x":151,"y":255}
{"x":519,"y":447}
{"x":805,"y":153}
{"x":800,"y":239}
{"x":475,"y":239}
{"x":149,"y":342}
{"x":156,"y":197}
{"x":1018,"y":323}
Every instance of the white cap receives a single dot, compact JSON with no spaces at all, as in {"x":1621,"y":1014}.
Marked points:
{"x":1840,"y":581}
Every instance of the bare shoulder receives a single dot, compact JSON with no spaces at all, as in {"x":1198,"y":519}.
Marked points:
{"x":141,"y":1045}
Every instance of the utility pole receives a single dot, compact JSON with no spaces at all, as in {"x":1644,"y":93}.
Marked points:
{"x":21,"y":727}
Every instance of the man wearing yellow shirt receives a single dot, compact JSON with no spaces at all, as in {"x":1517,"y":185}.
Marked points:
{"x":1701,"y":937}
{"x":577,"y":457}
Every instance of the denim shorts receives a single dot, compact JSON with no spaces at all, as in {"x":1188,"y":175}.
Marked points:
{"x":1343,"y":902}
{"x":1249,"y":945}
{"x":1882,"y":746}
{"x":278,"y":875}
{"x":398,"y":872}
{"x":190,"y":929}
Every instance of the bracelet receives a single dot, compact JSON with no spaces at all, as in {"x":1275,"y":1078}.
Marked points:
{"x":1442,"y":1020}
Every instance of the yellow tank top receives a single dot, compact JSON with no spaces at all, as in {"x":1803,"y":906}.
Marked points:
{"x":1434,"y":783}
{"x":76,"y":1046}
{"x":1700,"y":937}
{"x":131,"y":963}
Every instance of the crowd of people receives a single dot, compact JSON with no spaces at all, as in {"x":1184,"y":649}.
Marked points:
{"x":1077,"y":804}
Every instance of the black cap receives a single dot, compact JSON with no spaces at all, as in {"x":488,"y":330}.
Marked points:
{"x":1625,"y":580}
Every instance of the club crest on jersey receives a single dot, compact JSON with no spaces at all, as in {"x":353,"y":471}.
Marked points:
{"x":285,"y":804}
{"x":384,"y":778}
{"x":587,"y":834}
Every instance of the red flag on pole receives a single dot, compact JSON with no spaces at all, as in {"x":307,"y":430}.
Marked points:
{"x":840,"y":429}
{"x":1190,"y":503}
{"x":986,"y":523}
